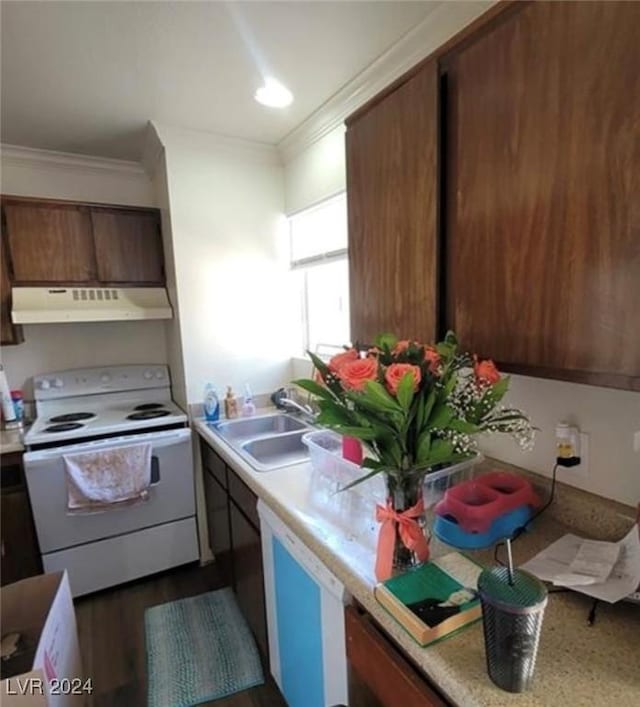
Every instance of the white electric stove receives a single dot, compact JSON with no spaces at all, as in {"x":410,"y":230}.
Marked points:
{"x":101,"y":409}
{"x":94,"y":402}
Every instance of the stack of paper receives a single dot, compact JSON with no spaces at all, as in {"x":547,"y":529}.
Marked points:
{"x":607,"y":571}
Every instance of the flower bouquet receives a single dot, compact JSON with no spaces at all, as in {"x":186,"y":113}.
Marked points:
{"x":416,"y":408}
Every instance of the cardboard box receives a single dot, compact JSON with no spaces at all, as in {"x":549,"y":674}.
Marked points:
{"x":41,"y":610}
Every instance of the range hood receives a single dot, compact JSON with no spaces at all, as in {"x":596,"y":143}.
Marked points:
{"x":48,"y":305}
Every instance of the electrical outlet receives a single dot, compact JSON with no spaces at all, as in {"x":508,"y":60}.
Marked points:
{"x":636,"y":441}
{"x":582,"y":469}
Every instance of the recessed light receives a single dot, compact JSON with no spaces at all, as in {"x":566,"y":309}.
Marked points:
{"x":273,"y":94}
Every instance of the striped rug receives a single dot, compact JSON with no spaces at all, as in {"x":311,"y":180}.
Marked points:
{"x":198,"y":650}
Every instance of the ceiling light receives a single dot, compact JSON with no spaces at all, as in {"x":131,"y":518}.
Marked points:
{"x":273,"y":94}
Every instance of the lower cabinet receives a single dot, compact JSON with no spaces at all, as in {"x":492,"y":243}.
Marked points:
{"x":379,"y":675}
{"x":247,"y":572}
{"x":218,"y":521}
{"x":19,"y":548}
{"x":234,"y":538}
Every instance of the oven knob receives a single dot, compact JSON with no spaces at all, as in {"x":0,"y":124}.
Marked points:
{"x":159,"y":375}
{"x":45,"y":385}
{"x":58,"y":383}
{"x":148,"y":375}
{"x":105,"y":377}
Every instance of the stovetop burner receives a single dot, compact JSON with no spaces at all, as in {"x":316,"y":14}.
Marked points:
{"x":148,"y":414}
{"x":73,"y":417}
{"x":64,"y":427}
{"x":149,"y":406}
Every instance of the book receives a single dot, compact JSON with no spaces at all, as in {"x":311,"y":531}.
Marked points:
{"x":434,"y":600}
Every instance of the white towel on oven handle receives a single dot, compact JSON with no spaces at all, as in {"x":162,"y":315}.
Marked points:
{"x":108,"y":479}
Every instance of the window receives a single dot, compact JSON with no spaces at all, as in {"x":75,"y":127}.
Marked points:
{"x":319,"y":260}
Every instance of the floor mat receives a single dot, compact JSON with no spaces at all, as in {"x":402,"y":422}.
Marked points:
{"x":199,"y":649}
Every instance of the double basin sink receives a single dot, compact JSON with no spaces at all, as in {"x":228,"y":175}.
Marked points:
{"x":266,"y":442}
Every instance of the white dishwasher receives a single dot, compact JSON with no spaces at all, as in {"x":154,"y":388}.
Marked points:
{"x":305,"y":617}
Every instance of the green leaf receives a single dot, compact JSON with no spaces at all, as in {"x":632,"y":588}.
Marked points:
{"x":383,"y":341}
{"x":420,"y":408}
{"x":333,"y":415}
{"x":369,"y":463}
{"x":377,"y":393}
{"x":441,"y":450}
{"x":428,"y":407}
{"x":314,"y":388}
{"x":463,"y":426}
{"x":361,"y":479}
{"x":499,"y":389}
{"x":423,"y":447}
{"x":451,"y":338}
{"x":319,"y":364}
{"x":405,"y":391}
{"x":442,"y":416}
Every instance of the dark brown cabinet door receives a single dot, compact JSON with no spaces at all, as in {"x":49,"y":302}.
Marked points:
{"x":20,"y":552}
{"x":217,"y":503}
{"x":49,"y":243}
{"x":543,"y":163}
{"x":248,"y":574}
{"x":9,"y":332}
{"x":128,"y":246}
{"x":379,"y":676}
{"x":392,"y":204}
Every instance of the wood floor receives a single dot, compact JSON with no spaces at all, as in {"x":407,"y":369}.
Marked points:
{"x":111,"y":631}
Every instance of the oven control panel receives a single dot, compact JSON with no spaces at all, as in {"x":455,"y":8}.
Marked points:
{"x":107,"y":379}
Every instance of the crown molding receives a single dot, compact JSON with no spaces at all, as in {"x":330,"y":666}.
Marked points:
{"x":50,"y":160}
{"x":443,"y":21}
{"x":171,"y":136}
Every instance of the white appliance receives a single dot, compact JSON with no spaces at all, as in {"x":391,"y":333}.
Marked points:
{"x":305,"y":616}
{"x":45,"y":305}
{"x":101,"y":409}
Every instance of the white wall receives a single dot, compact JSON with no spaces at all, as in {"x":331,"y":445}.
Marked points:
{"x":230,"y":251}
{"x":609,"y":417}
{"x":158,"y":168}
{"x":316,"y":173}
{"x":58,"y":347}
{"x":47,"y":347}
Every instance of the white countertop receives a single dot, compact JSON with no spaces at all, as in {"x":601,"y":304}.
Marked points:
{"x":577,"y":664}
{"x":11,"y":441}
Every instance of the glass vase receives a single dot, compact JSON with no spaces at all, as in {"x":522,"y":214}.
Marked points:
{"x":404,"y":491}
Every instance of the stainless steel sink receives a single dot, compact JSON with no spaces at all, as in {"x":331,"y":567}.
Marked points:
{"x":268,"y":453}
{"x":267,"y":442}
{"x":250,"y":427}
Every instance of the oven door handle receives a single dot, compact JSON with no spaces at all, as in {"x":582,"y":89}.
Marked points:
{"x":155,"y":470}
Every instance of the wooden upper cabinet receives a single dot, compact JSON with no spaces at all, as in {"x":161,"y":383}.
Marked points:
{"x":543,"y":177}
{"x":49,"y":243}
{"x":128,"y":246}
{"x":9,"y":333}
{"x":63,"y":243}
{"x":392,"y":204}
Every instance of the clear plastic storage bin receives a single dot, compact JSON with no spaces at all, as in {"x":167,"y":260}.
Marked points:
{"x":331,"y":472}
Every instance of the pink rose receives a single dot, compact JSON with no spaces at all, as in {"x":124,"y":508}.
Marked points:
{"x":401,"y":346}
{"x":354,"y":374}
{"x":486,"y":371}
{"x":339,"y":360}
{"x":432,"y":357}
{"x":397,"y":371}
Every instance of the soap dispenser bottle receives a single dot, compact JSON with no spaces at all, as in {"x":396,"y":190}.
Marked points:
{"x":211,"y":404}
{"x":248,"y":407}
{"x":230,"y":404}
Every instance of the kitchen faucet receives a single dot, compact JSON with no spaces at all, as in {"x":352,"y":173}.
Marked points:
{"x":282,"y":401}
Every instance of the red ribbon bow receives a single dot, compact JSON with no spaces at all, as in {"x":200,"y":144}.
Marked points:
{"x":410,"y":533}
